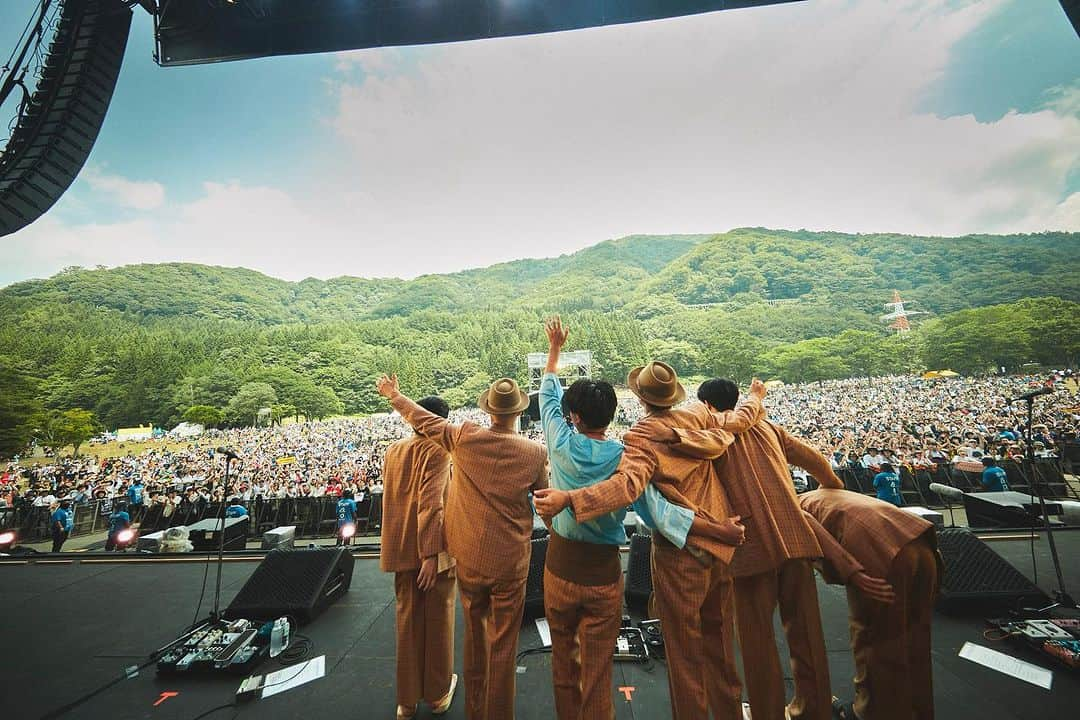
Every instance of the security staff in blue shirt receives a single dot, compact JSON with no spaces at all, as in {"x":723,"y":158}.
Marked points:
{"x":346,"y":515}
{"x":135,"y":497}
{"x":118,"y":521}
{"x":994,"y":478}
{"x":887,"y":484}
{"x":61,"y":522}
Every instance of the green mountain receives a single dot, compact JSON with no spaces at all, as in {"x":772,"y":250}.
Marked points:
{"x":145,"y":342}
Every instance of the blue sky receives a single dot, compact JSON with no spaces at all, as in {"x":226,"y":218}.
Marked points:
{"x":919,"y":116}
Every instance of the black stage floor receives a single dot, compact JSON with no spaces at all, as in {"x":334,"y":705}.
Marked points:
{"x":70,"y":628}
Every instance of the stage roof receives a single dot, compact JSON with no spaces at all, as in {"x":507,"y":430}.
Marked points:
{"x":202,"y":31}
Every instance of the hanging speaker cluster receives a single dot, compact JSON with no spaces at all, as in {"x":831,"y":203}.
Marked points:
{"x":57,"y":130}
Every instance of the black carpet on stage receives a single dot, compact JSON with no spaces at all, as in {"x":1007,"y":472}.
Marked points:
{"x":68,"y":629}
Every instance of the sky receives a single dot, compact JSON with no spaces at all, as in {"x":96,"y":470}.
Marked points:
{"x":941,"y":117}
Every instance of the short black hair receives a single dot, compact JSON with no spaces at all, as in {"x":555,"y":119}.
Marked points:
{"x":593,"y":400}
{"x":989,"y":461}
{"x":721,"y":393}
{"x":435,"y":404}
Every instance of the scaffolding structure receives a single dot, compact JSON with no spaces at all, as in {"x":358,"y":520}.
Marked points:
{"x":572,"y":366}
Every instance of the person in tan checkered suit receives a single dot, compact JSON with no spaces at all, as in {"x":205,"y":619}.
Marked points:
{"x":864,"y":539}
{"x":693,"y":593}
{"x":773,"y":567}
{"x":416,"y":476}
{"x":488,"y":531}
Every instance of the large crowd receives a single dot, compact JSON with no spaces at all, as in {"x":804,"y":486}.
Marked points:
{"x":903,"y":420}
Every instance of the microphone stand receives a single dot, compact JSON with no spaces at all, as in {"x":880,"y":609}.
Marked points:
{"x":1061,"y":597}
{"x":215,"y":614}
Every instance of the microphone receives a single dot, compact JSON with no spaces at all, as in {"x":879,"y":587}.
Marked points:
{"x":947,"y":491}
{"x":227,"y":453}
{"x":1033,"y":394}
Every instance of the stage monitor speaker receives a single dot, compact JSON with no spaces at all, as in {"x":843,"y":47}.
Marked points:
{"x":296,"y":583}
{"x":1006,"y":509}
{"x":534,"y":586}
{"x":57,"y":130}
{"x":976,"y":577}
{"x":639,"y":573}
{"x":204,"y":534}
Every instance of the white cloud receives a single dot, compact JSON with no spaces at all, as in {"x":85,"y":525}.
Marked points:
{"x":137,"y":195}
{"x":801,"y":115}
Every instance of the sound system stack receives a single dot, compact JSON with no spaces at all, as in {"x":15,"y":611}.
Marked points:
{"x":534,"y":586}
{"x":294,"y":583}
{"x":204,"y":534}
{"x":639,"y":572}
{"x":976,"y":577}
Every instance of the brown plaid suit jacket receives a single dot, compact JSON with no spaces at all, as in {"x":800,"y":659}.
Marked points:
{"x":416,"y":477}
{"x":755,"y":473}
{"x":872,"y":531}
{"x":671,"y":449}
{"x":488,"y":513}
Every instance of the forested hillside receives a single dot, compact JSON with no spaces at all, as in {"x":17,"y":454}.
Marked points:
{"x":145,"y":343}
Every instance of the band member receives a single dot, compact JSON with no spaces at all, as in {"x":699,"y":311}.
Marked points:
{"x":773,"y":567}
{"x":693,"y":597}
{"x":416,"y":475}
{"x":890,"y":621}
{"x":583,"y":575}
{"x":488,"y":531}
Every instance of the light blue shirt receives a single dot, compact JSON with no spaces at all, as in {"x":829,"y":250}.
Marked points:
{"x":578,"y":461}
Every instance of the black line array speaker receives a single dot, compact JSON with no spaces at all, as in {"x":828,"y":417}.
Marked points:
{"x":977,"y":578}
{"x":56,"y":132}
{"x":534,"y":586}
{"x":639,"y":573}
{"x":297,"y":583}
{"x":204,"y":534}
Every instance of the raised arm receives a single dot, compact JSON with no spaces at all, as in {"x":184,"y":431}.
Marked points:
{"x":809,"y":459}
{"x":556,"y":431}
{"x":427,"y":424}
{"x":718,"y":429}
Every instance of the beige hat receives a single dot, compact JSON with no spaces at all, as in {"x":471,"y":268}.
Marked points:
{"x":504,"y":397}
{"x":656,"y":384}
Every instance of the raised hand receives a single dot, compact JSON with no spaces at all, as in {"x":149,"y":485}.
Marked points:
{"x":758,"y":389}
{"x":556,"y":332}
{"x":874,"y":588}
{"x":550,"y":502}
{"x":387,"y":386}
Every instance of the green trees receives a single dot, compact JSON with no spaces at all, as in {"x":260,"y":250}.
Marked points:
{"x":248,"y":402}
{"x":156,"y":343}
{"x":57,"y":429}
{"x":204,"y":415}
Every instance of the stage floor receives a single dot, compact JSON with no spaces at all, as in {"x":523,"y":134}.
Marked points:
{"x":69,"y":628}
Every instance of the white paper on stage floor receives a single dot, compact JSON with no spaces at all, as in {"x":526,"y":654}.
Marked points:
{"x":1007,"y":664}
{"x":544,"y":629}
{"x":287,"y":678}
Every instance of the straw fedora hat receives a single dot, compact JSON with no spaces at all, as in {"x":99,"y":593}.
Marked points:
{"x":656,"y":384}
{"x":504,"y":397}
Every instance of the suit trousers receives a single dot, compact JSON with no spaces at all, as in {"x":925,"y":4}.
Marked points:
{"x":425,"y":638}
{"x":584,"y":622}
{"x":695,"y":607}
{"x":493,"y":610}
{"x":891,"y":643}
{"x":791,"y":587}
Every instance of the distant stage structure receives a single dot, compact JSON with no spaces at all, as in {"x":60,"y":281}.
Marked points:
{"x":573,"y":365}
{"x":899,"y":314}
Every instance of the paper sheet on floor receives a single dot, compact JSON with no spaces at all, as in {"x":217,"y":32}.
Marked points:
{"x":1007,"y":664}
{"x":293,"y":676}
